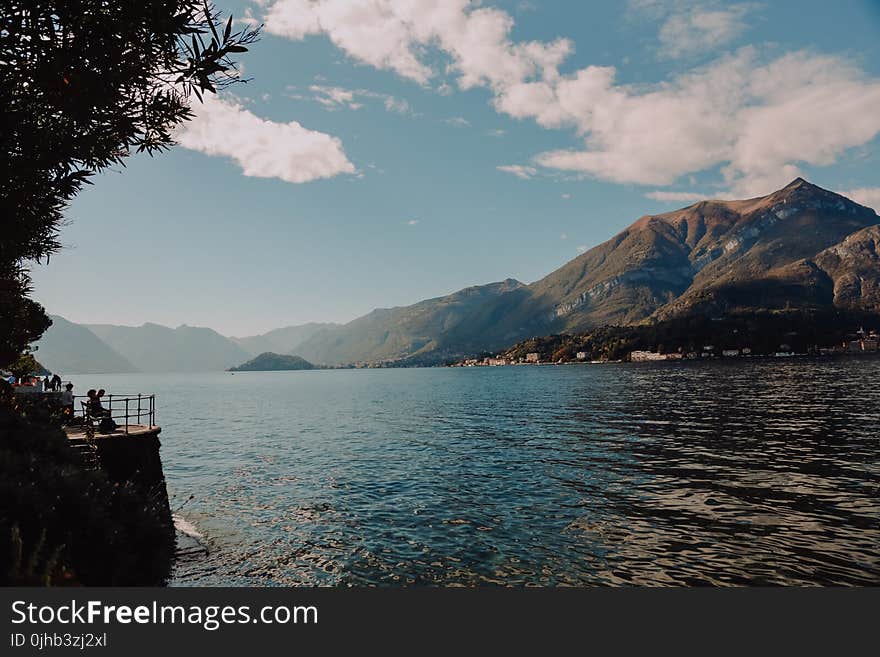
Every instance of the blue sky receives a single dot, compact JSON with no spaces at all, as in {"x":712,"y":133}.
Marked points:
{"x":389,"y":151}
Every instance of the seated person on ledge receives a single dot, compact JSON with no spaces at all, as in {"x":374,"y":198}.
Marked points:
{"x":67,"y":402}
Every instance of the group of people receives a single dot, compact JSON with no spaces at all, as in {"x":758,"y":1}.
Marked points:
{"x":52,"y":384}
{"x":93,"y":406}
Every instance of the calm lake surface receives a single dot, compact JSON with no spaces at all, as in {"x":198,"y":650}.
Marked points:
{"x":750,"y":472}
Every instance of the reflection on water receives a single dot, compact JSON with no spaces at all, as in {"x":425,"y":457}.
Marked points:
{"x":752,"y":472}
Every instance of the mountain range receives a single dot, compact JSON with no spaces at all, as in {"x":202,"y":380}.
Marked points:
{"x":103,"y":348}
{"x":69,"y":347}
{"x":801,"y":246}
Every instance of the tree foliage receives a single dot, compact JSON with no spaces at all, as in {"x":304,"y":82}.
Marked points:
{"x":84,"y":83}
{"x":25,"y":365}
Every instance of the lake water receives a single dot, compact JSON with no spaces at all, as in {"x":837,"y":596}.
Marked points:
{"x":753,"y":472}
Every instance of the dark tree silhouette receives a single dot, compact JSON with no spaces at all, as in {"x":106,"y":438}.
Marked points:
{"x":83,"y":83}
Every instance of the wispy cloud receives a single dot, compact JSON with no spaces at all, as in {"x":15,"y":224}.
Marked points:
{"x":675,"y":197}
{"x":583,"y":248}
{"x":497,"y":132}
{"x":397,"y":105}
{"x":263,"y":148}
{"x":565,"y":196}
{"x":335,"y":98}
{"x":518,"y":170}
{"x":869,"y":196}
{"x":563,"y":236}
{"x":412,"y":222}
{"x":689,"y":29}
{"x":458,"y":122}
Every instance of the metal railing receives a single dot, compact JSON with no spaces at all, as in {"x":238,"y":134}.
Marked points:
{"x":125,"y":410}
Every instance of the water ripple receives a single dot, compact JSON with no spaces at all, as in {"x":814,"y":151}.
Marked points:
{"x":753,"y":472}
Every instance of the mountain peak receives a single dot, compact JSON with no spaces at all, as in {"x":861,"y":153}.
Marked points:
{"x":798,"y":182}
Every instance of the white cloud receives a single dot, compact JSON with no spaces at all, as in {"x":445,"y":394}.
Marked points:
{"x":519,"y":170}
{"x":334,"y":97}
{"x":869,"y":196}
{"x":394,"y":34}
{"x":755,"y":118}
{"x":675,"y":197}
{"x":497,"y":132}
{"x":412,"y":222}
{"x":262,"y":148}
{"x":458,"y":122}
{"x":583,"y":248}
{"x":692,"y":30}
{"x":757,"y":121}
{"x":397,"y":105}
{"x":566,"y":196}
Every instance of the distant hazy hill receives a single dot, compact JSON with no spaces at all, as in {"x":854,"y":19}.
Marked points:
{"x":430,"y":327}
{"x":155,"y":348}
{"x":270,"y":362}
{"x":71,"y":348}
{"x":283,"y":340}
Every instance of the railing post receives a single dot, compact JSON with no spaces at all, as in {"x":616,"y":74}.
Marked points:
{"x":126,"y":416}
{"x":139,"y":408}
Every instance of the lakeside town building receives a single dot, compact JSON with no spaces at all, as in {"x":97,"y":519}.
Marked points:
{"x":859,"y":342}
{"x":645,"y":356}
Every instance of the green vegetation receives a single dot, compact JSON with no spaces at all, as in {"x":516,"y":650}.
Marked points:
{"x":765,"y":332}
{"x":271,"y":362}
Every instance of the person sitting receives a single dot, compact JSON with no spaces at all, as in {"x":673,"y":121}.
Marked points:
{"x":97,"y":411}
{"x":95,"y":408}
{"x":107,"y":424}
{"x":67,"y":403}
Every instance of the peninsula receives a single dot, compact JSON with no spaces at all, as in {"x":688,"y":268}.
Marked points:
{"x":271,"y":362}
